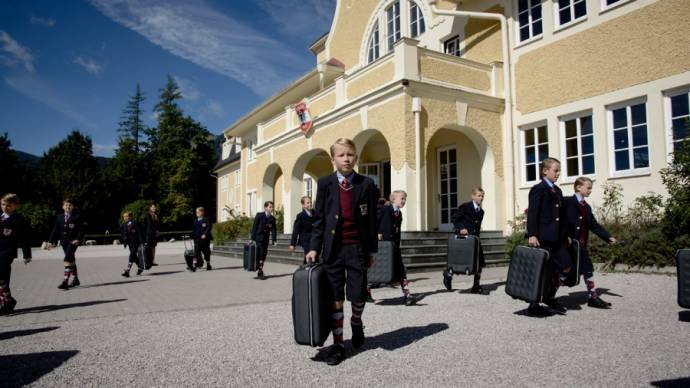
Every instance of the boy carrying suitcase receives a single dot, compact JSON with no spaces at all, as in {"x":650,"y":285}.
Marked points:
{"x":130,"y":230}
{"x":264,"y":228}
{"x":15,"y":234}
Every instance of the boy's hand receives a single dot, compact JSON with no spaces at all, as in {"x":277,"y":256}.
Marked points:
{"x":75,"y":242}
{"x":380,"y":236}
{"x":291,"y":248}
{"x":311,"y":257}
{"x":570,"y":241}
{"x":372,"y":258}
{"x":203,"y":237}
{"x":612,"y":240}
{"x":533,"y":241}
{"x":463,"y":231}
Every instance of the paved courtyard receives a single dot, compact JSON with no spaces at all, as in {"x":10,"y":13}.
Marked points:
{"x":224,"y":328}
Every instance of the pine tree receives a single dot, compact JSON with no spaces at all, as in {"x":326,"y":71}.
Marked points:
{"x":132,"y":126}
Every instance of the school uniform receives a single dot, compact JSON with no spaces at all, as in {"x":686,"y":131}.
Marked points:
{"x":202,"y":246}
{"x":389,"y":219}
{"x":469,"y":215}
{"x":345,"y":231}
{"x":67,"y":228}
{"x":263,"y":230}
{"x":301,"y":230}
{"x":15,"y":234}
{"x":131,"y":238}
{"x":151,"y":237}
{"x":581,"y":221}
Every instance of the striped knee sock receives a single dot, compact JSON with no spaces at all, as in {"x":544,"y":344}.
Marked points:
{"x":337,"y":318}
{"x":405,"y":285}
{"x":357,"y":310}
{"x":66,"y":273}
{"x":74,"y":271}
{"x":591,"y":288}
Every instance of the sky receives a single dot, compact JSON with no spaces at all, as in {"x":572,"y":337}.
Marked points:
{"x":73,"y":64}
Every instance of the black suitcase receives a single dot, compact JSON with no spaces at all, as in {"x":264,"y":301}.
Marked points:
{"x":573,"y":278}
{"x":383,"y":270}
{"x":463,"y":254}
{"x":250,"y":258}
{"x":683,"y":268}
{"x":528,"y":274}
{"x":311,"y":305}
{"x":189,"y":254}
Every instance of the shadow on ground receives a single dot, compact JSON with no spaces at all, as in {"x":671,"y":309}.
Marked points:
{"x":55,"y":307}
{"x":21,"y":333}
{"x":488,"y":288}
{"x":113,"y":283}
{"x":18,"y":370}
{"x":163,"y":273}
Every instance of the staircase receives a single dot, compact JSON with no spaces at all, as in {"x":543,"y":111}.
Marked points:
{"x":421,"y":251}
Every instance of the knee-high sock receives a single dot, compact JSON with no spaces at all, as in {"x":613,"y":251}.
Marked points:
{"x":357,"y":310}
{"x":66,"y":273}
{"x":74,"y":271}
{"x":405,"y":286}
{"x":591,"y":288}
{"x":337,"y":318}
{"x":477,"y":277}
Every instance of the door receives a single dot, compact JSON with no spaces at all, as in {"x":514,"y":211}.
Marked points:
{"x":447,"y":186}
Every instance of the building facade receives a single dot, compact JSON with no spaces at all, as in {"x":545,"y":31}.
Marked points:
{"x":440,"y":103}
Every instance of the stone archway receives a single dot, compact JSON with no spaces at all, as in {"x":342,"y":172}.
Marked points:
{"x":308,"y":168}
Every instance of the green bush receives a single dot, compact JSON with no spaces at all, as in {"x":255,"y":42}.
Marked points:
{"x":239,"y":228}
{"x":139,"y":207}
{"x":676,"y":177}
{"x":518,"y":235}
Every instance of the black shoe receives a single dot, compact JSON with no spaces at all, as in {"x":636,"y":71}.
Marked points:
{"x":477,"y":290}
{"x":154,"y":264}
{"x":536,"y":310}
{"x":370,"y":299}
{"x":260,"y":275}
{"x":357,"y":336}
{"x":336,"y":355}
{"x":75,"y":282}
{"x":598,"y":303}
{"x":555,"y":306}
{"x":125,"y":273}
{"x":64,"y":285}
{"x":208,"y":266}
{"x":448,"y":280}
{"x":410,"y":300}
{"x":139,"y":271}
{"x":8,"y":307}
{"x":191,"y":269}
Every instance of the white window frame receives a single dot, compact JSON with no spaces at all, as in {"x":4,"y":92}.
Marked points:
{"x":459,"y":46}
{"x":668,"y":118}
{"x":251,"y":202}
{"x":632,"y":171}
{"x":557,"y":14}
{"x":308,"y":186}
{"x":420,"y":21}
{"x":578,"y":135}
{"x":396,"y":34}
{"x":374,"y":46}
{"x":605,"y":7}
{"x":364,"y":170}
{"x":451,"y":147}
{"x":530,"y":22}
{"x":523,"y":150}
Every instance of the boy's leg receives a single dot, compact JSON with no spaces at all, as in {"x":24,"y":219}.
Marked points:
{"x":7,"y":302}
{"x":198,"y":260}
{"x":262,"y":253}
{"x":335,"y":270}
{"x":562,"y":265}
{"x":67,"y":261}
{"x":207,"y":255}
{"x":356,"y":280}
{"x":594,"y":299}
{"x":476,"y":288}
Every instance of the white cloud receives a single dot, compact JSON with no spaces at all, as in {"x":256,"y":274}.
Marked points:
{"x":187,"y":88}
{"x":215,"y":108}
{"x":104,"y":149}
{"x":13,"y":53}
{"x":210,"y":39}
{"x":300,"y":17}
{"x":89,"y":65}
{"x":48,"y":22}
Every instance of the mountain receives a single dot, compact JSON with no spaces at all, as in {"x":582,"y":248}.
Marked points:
{"x":33,"y":160}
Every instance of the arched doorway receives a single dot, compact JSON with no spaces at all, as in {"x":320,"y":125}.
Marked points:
{"x":374,"y":159}
{"x":272,"y":187}
{"x":307,"y":170}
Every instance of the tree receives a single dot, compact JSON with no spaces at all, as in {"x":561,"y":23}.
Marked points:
{"x":132,"y":126}
{"x":9,"y":167}
{"x":676,"y":177}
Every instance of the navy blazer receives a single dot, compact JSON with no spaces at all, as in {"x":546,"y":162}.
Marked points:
{"x":202,"y":227}
{"x":131,"y":238}
{"x":465,"y":217}
{"x":389,"y":224}
{"x":576,"y":221}
{"x":151,"y":230}
{"x":327,"y":218}
{"x":301,"y":230}
{"x":67,"y":231}
{"x":264,"y":228}
{"x":546,"y":213}
{"x":15,"y":234}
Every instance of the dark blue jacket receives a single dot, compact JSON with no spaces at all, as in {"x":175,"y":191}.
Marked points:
{"x":14,"y":234}
{"x":546,"y":213}
{"x":327,"y":220}
{"x":131,"y":237}
{"x":465,"y":217}
{"x":264,"y":228}
{"x":67,"y":231}
{"x":301,"y":230}
{"x":151,"y":230}
{"x":202,"y":227}
{"x":576,"y":222}
{"x":389,"y":224}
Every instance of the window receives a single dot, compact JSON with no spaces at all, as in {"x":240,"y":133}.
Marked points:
{"x":393,"y":24}
{"x":308,"y":191}
{"x":629,"y":138}
{"x":452,"y":46}
{"x":679,"y":104}
{"x":570,"y":10}
{"x":529,"y":19}
{"x":374,"y":45}
{"x":238,"y":178}
{"x":536,"y":149}
{"x":578,"y":138}
{"x":370,"y":170}
{"x":417,"y":26}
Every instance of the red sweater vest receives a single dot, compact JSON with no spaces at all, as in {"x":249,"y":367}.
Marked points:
{"x":349,"y":228}
{"x":584,"y":224}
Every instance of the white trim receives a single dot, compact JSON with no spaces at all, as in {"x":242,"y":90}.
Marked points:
{"x":668,"y":117}
{"x":532,"y":36}
{"x":632,"y":171}
{"x":578,"y":136}
{"x":441,"y":225}
{"x":524,"y":183}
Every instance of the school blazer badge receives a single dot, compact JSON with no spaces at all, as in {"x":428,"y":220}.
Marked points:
{"x":6,"y":231}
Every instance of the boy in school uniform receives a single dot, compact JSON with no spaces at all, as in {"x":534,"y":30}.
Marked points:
{"x":389,"y":219}
{"x":467,"y":220}
{"x":301,"y":230}
{"x":202,"y":239}
{"x":264,"y":228}
{"x":68,"y":232}
{"x":546,"y":228}
{"x":15,"y":234}
{"x":344,"y":231}
{"x":130,"y":230}
{"x":581,"y":221}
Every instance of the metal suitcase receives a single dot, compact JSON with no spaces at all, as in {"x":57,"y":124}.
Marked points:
{"x":250,"y":257}
{"x":383,"y":270}
{"x":528,"y":274}
{"x":311,"y":305}
{"x":573,"y":278}
{"x":463,"y":254}
{"x":189,"y":254}
{"x":683,"y":268}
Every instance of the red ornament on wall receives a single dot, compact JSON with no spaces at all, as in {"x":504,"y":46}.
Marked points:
{"x":305,"y":122}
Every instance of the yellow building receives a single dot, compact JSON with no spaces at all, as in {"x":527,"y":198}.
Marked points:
{"x":441,"y":96}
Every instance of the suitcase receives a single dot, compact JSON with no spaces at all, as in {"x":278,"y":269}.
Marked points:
{"x":251,"y":263}
{"x":573,"y":278}
{"x":383,"y":270}
{"x":683,"y":268}
{"x":189,"y":254}
{"x":463,"y":254}
{"x":311,"y":305}
{"x":528,"y":274}
{"x":141,"y":256}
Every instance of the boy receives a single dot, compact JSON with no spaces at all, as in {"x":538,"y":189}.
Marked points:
{"x":467,"y":220}
{"x":68,"y":231}
{"x":202,"y":239}
{"x":130,"y":238}
{"x":264,"y":228}
{"x":580,"y":221}
{"x":15,"y":234}
{"x":389,"y":220}
{"x":344,"y":231}
{"x":301,"y":231}
{"x":546,"y":228}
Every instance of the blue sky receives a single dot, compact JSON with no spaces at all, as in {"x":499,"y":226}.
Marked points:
{"x":73,"y":64}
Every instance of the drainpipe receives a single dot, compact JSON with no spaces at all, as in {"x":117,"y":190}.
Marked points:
{"x":508,"y":166}
{"x":417,"y":109}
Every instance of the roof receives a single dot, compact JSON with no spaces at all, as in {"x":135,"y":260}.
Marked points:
{"x":232,"y":158}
